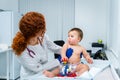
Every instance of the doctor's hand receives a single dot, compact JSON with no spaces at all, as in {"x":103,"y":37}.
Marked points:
{"x":48,"y":74}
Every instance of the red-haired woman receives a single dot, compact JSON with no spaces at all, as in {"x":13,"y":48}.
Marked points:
{"x":30,"y":45}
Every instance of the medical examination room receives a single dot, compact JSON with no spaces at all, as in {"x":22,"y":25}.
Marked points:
{"x":99,"y":21}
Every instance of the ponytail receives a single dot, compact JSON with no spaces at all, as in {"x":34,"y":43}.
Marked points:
{"x":19,"y":43}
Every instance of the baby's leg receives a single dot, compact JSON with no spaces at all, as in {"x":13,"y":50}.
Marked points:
{"x":52,"y":73}
{"x":81,"y":68}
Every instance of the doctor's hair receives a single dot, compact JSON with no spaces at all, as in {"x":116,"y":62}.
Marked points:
{"x":78,"y":30}
{"x":30,"y":24}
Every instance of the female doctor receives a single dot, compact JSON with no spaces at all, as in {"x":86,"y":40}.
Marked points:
{"x":30,"y":45}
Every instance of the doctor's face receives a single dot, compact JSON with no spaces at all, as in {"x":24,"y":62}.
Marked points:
{"x":73,"y":37}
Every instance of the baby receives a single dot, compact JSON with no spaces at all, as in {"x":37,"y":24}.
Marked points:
{"x":71,"y":52}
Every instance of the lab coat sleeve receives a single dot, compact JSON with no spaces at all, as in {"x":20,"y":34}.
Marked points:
{"x":52,"y":46}
{"x":31,"y":64}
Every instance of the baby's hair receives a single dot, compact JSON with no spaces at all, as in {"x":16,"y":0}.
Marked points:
{"x":80,"y":32}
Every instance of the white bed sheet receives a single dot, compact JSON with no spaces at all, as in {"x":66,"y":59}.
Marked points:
{"x":105,"y":75}
{"x":96,"y":68}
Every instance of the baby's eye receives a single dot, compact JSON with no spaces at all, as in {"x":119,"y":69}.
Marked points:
{"x":72,"y":36}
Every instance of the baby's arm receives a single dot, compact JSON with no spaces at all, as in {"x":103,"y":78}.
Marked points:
{"x":87,"y":56}
{"x":89,"y":60}
{"x":63,"y":52}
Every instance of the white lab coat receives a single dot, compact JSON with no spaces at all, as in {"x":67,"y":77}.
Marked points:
{"x":34,"y":66}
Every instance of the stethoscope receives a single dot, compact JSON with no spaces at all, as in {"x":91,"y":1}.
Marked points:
{"x":32,"y":53}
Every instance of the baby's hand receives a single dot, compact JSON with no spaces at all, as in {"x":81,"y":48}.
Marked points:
{"x":65,"y":59}
{"x":89,"y":60}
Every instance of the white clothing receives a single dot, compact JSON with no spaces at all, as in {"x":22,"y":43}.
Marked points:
{"x":32,"y":66}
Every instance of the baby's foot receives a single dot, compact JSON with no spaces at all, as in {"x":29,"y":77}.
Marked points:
{"x":48,"y":74}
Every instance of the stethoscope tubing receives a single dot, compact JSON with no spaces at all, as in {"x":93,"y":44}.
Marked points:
{"x":30,"y":52}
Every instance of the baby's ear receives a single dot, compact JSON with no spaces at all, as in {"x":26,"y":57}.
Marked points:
{"x":79,"y":39}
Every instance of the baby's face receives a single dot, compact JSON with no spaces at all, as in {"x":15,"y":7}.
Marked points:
{"x":73,"y":37}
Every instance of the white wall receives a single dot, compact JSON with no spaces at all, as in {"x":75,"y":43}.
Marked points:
{"x":114,"y":39}
{"x":119,"y":29}
{"x":92,"y":17}
{"x":9,"y":5}
{"x":114,"y":30}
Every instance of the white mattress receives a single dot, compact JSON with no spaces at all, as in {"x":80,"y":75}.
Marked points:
{"x":96,"y":68}
{"x":105,"y":75}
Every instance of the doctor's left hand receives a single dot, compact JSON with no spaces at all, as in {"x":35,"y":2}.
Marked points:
{"x":48,"y":74}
